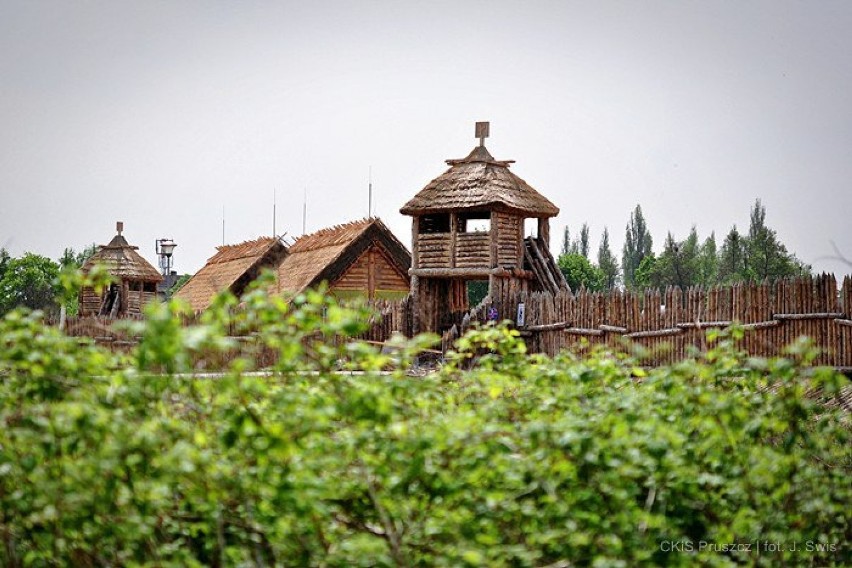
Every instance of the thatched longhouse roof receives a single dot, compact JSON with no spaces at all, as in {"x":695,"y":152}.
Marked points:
{"x":326,"y":254}
{"x":232,"y":267}
{"x":479,"y":182}
{"x":121,"y":260}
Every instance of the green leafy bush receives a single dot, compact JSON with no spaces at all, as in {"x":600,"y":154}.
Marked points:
{"x":522,"y":461}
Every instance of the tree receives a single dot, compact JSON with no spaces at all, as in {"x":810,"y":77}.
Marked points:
{"x":29,"y":281}
{"x":732,"y":263}
{"x":766,"y":256}
{"x":184,"y":278}
{"x":566,"y":242}
{"x":580,"y":273}
{"x":637,"y":245}
{"x":4,"y":261}
{"x":708,"y":262}
{"x":607,"y":262}
{"x":678,"y":264}
{"x":582,"y":245}
{"x":73,"y":259}
{"x":70,"y":261}
{"x":645,"y":274}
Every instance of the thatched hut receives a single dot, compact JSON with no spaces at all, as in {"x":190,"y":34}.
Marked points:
{"x":135,"y":280}
{"x":358,"y":259}
{"x":468,"y":225}
{"x":233,"y":268}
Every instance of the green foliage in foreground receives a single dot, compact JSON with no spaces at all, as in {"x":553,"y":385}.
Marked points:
{"x":522,"y":461}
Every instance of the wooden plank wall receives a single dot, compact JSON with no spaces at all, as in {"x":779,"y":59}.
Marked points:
{"x":509,"y":239}
{"x":433,"y":250}
{"x":473,"y":250}
{"x":372,"y":272}
{"x":673,"y":323}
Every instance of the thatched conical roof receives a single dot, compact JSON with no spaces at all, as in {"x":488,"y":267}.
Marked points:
{"x":121,"y":260}
{"x":479,"y":182}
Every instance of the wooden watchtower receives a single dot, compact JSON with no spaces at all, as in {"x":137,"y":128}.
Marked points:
{"x":468,"y":225}
{"x":135,"y":280}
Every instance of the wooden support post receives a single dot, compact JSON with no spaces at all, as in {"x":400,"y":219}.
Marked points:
{"x":415,"y":304}
{"x":415,"y":223}
{"x":454,"y":231}
{"x":371,"y":274}
{"x":494,"y":236}
{"x":544,"y":231}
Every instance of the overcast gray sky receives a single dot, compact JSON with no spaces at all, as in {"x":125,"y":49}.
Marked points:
{"x":161,"y":113}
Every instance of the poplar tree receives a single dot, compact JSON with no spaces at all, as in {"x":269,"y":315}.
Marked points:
{"x":607,"y":262}
{"x":766,"y":257}
{"x":732,"y":258}
{"x":637,"y":245}
{"x":566,"y":242}
{"x":583,"y":241}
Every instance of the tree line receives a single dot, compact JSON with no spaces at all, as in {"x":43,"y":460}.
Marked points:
{"x":755,"y":256}
{"x":32,"y":280}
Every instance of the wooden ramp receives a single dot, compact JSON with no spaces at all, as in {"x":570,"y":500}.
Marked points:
{"x":537,"y":258}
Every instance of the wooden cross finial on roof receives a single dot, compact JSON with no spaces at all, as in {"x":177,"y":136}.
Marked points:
{"x":119,"y":226}
{"x":482,"y":132}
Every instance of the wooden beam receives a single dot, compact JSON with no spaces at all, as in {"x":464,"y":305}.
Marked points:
{"x":821,"y":315}
{"x":454,"y":231}
{"x":371,"y":273}
{"x":655,"y":333}
{"x":415,"y":223}
{"x":547,"y":277}
{"x":703,"y":324}
{"x":760,"y":325}
{"x":548,"y":326}
{"x":583,"y":331}
{"x":494,"y":235}
{"x":544,"y":230}
{"x":612,"y":328}
{"x":455,"y":272}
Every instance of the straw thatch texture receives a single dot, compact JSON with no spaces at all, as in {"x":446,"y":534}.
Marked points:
{"x":231,"y":268}
{"x":122,"y":261}
{"x":328,"y":253}
{"x":479,"y":182}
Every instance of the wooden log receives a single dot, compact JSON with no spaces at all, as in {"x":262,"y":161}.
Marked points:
{"x":544,"y":230}
{"x":612,"y":328}
{"x":450,"y":272}
{"x":813,"y":316}
{"x":703,"y":324}
{"x":547,"y":326}
{"x":761,"y":324}
{"x":655,"y":333}
{"x":584,"y":331}
{"x":846,"y":322}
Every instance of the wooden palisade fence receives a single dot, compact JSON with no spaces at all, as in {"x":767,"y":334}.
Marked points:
{"x":670,"y":323}
{"x":673,"y":322}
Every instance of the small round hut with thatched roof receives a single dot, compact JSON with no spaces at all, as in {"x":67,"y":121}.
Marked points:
{"x":135,"y":280}
{"x":468,"y":225}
